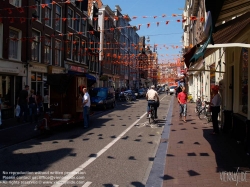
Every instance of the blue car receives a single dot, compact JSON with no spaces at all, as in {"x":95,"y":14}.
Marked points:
{"x":101,"y":98}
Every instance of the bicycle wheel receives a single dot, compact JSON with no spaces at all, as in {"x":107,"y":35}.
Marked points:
{"x":202,"y":114}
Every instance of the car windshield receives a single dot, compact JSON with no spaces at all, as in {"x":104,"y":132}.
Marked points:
{"x":99,"y":92}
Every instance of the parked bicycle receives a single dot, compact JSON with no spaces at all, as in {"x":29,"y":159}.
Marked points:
{"x":151,"y":113}
{"x":198,"y":105}
{"x":204,"y":112}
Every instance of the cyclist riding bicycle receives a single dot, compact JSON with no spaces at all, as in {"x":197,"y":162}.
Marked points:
{"x":153,"y":99}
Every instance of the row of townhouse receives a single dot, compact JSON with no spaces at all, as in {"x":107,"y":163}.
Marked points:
{"x":219,"y":55}
{"x":84,"y":38}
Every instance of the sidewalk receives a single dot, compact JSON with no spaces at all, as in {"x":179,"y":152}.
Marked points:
{"x":195,"y":157}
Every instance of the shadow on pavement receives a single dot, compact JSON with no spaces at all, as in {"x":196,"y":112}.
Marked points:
{"x":229,"y":154}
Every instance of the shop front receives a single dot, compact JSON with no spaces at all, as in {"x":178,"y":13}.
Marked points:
{"x":11,"y":83}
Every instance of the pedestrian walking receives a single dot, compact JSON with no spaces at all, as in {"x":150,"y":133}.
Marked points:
{"x":215,"y":108}
{"x":23,"y":103}
{"x":86,"y":107}
{"x":45,"y":102}
{"x":182,"y":99}
{"x":39,"y":100}
{"x":0,"y":111}
{"x":32,"y":106}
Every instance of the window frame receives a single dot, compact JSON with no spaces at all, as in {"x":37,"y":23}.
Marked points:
{"x":59,"y":16}
{"x":84,"y":28}
{"x":77,"y":23}
{"x":69,"y":43}
{"x":70,"y":22}
{"x":45,"y":54}
{"x":50,"y":8}
{"x":39,"y":45}
{"x":15,"y":4}
{"x":76,"y":56}
{"x":19,"y":45}
{"x":58,"y":50}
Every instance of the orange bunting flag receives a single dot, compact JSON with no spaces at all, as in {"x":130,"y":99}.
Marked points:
{"x":148,"y":25}
{"x":184,"y":20}
{"x":22,"y":20}
{"x":20,"y":10}
{"x":164,"y":15}
{"x":106,"y":18}
{"x":155,"y":17}
{"x":125,"y":17}
{"x":95,"y":18}
{"x":11,"y":20}
{"x":34,"y":19}
{"x":178,"y":20}
{"x":53,"y":2}
{"x":9,"y":10}
{"x":67,"y":2}
{"x":44,"y":5}
{"x":64,"y":19}
{"x":144,"y":16}
{"x":91,"y":32}
{"x":33,"y":7}
{"x":74,"y":19}
{"x":79,"y":32}
{"x":116,"y":18}
{"x":134,"y":17}
{"x":202,"y":19}
{"x":167,"y":22}
{"x":174,"y":15}
{"x":112,"y":29}
{"x":193,"y":18}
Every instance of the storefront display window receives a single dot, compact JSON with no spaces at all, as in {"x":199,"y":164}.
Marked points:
{"x":244,"y":81}
{"x":37,"y":82}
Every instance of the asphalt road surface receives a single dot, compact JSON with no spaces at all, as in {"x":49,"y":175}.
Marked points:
{"x":117,"y":150}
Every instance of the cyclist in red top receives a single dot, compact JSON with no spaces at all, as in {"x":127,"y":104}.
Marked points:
{"x":182,"y":99}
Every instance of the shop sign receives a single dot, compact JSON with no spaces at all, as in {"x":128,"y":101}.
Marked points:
{"x":42,"y":69}
{"x":76,"y":68}
{"x":9,"y":70}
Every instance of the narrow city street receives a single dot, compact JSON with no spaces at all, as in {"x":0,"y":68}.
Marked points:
{"x":117,"y":150}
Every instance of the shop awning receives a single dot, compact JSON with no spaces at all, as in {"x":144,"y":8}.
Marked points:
{"x":201,"y":51}
{"x":225,"y":34}
{"x":188,"y":55}
{"x":90,"y":77}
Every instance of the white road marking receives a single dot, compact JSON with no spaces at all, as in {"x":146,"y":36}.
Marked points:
{"x":87,"y":184}
{"x":92,"y":159}
{"x":115,"y":185}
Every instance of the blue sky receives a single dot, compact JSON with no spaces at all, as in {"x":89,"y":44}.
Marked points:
{"x":168,"y":35}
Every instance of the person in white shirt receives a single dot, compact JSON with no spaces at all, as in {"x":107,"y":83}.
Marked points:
{"x":152,"y":98}
{"x":86,"y":106}
{"x":215,"y":108}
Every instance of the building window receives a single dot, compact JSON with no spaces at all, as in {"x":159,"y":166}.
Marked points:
{"x":35,"y":46}
{"x":36,"y":13}
{"x":37,"y":80}
{"x":83,"y":52}
{"x":69,"y":46}
{"x":244,"y":81}
{"x":58,"y":52}
{"x":13,"y":44}
{"x":47,"y":50}
{"x":84,"y":28}
{"x":16,"y":3}
{"x":48,"y":13}
{"x":70,"y":18}
{"x":1,"y":40}
{"x":58,"y":19}
{"x":77,"y":22}
{"x":76,"y":49}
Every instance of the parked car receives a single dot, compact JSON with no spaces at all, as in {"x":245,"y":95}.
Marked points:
{"x":101,"y":98}
{"x":172,"y":89}
{"x":141,"y":92}
{"x":131,"y":93}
